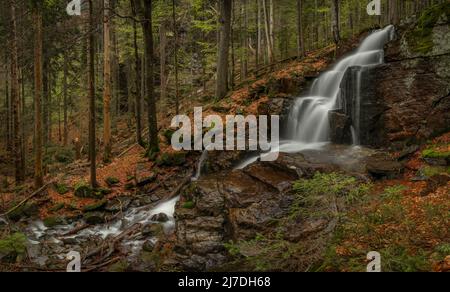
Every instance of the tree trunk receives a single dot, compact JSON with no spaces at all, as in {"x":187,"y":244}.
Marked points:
{"x":335,"y":21}
{"x":175,"y":54}
{"x":393,"y":12}
{"x":163,"y":54}
{"x":15,"y":99}
{"x":224,"y":47}
{"x":267,"y":29}
{"x":137,"y":68}
{"x":65,"y":101}
{"x":149,"y":69}
{"x":106,"y":83}
{"x":301,"y":42}
{"x":38,"y":177}
{"x":91,"y":97}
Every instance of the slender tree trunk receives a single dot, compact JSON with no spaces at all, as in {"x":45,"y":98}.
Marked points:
{"x":15,"y":98}
{"x":153,"y":143}
{"x":91,"y":96}
{"x":163,"y":57}
{"x":335,"y":21}
{"x":106,"y":83}
{"x":393,"y":12}
{"x":301,"y":41}
{"x":65,"y":101}
{"x":224,"y":48}
{"x":267,"y":29}
{"x":137,"y":68}
{"x":175,"y":54}
{"x":37,"y":17}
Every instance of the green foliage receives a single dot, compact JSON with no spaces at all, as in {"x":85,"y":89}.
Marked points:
{"x":398,"y":259}
{"x":13,"y":246}
{"x":339,"y":185}
{"x":433,"y":152}
{"x":61,"y":189}
{"x":420,"y":39}
{"x":430,"y":171}
{"x":393,"y":193}
{"x":189,"y":205}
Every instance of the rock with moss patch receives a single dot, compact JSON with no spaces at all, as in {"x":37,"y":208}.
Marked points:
{"x":172,"y":159}
{"x":53,"y":221}
{"x":94,"y":207}
{"x":27,"y":210}
{"x":112,"y":181}
{"x":57,"y":207}
{"x":83,"y":191}
{"x":94,"y":218}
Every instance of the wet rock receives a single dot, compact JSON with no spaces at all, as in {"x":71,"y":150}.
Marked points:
{"x":381,"y":165}
{"x":94,"y":218}
{"x":407,"y":99}
{"x":435,"y":182}
{"x":340,"y":127}
{"x":152,"y":230}
{"x":148,"y":246}
{"x":53,"y":221}
{"x":161,"y":217}
{"x":118,"y":204}
{"x":144,"y":175}
{"x":27,"y":210}
{"x":94,"y":207}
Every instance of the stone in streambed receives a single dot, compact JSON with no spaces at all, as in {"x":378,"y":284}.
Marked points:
{"x":93,"y":218}
{"x":161,"y":217}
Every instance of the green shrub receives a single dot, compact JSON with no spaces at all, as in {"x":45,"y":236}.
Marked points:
{"x":173,"y":159}
{"x":61,"y":189}
{"x":12,"y":247}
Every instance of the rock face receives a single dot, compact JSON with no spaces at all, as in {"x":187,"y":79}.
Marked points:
{"x":235,"y":205}
{"x":407,"y":99}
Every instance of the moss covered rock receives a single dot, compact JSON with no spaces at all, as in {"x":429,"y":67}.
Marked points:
{"x":53,"y":221}
{"x":171,"y":159}
{"x":94,"y":207}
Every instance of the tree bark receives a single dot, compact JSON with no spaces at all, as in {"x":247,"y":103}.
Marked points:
{"x":224,"y":47}
{"x":138,"y":81}
{"x":335,"y":21}
{"x":146,"y":22}
{"x":175,"y":54}
{"x":301,"y":41}
{"x":91,"y":97}
{"x":107,"y":83}
{"x":37,"y":17}
{"x":15,"y":98}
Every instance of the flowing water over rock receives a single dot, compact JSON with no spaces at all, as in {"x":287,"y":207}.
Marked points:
{"x":308,"y":124}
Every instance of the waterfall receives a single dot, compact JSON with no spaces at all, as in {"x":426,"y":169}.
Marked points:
{"x":308,"y":120}
{"x":308,"y":125}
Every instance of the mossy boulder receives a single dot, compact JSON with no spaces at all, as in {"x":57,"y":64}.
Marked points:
{"x":83,"y":191}
{"x":27,"y":210}
{"x":171,"y":159}
{"x":94,"y":218}
{"x":112,"y":181}
{"x":189,"y":205}
{"x":437,"y":155}
{"x":53,"y":221}
{"x":57,"y":207}
{"x":13,"y":247}
{"x":94,"y":207}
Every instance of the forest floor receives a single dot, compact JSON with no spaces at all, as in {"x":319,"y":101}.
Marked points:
{"x":405,"y":219}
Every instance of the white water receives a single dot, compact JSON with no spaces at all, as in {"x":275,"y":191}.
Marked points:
{"x":308,"y":119}
{"x":308,"y":125}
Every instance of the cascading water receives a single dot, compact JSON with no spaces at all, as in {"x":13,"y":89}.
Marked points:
{"x":308,"y":119}
{"x":308,"y":125}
